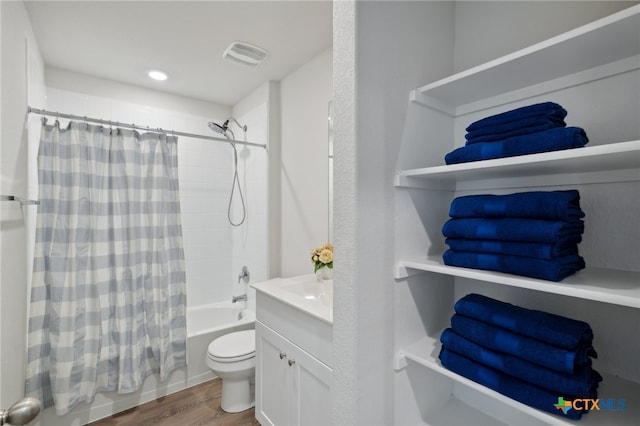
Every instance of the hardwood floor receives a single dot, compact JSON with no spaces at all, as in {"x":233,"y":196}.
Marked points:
{"x":199,"y":405}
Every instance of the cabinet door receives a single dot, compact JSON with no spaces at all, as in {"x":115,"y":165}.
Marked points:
{"x":272,"y":371}
{"x":311,"y":382}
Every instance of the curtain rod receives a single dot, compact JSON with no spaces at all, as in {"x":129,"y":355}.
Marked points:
{"x":31,"y":110}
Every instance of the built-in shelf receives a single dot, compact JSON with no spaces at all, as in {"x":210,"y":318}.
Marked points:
{"x":600,"y":284}
{"x":599,"y":43}
{"x":425,"y":352}
{"x":457,"y":412}
{"x":573,"y":67}
{"x":617,"y":162}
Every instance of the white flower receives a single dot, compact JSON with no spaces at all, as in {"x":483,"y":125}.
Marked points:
{"x":326,"y":256}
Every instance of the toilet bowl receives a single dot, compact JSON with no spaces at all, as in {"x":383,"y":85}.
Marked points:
{"x":232,"y":357}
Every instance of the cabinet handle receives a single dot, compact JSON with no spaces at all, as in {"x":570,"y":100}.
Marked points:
{"x":291,"y":362}
{"x":283,"y":355}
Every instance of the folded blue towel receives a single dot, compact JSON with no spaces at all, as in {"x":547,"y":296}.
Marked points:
{"x":515,"y":128}
{"x":550,"y":270}
{"x":532,"y":350}
{"x":554,"y":329}
{"x":582,"y":382}
{"x":510,"y":386}
{"x":549,"y":205}
{"x":545,"y":141}
{"x":544,"y":109}
{"x":515,"y":229}
{"x":537,"y":250}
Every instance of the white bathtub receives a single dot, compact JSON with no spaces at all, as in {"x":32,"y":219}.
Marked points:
{"x":206,"y":323}
{"x":218,"y":316}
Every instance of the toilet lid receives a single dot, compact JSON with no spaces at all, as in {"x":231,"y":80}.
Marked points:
{"x":234,"y":345}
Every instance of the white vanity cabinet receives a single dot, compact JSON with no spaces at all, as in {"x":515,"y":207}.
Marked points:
{"x":293,"y":387}
{"x":293,"y":353}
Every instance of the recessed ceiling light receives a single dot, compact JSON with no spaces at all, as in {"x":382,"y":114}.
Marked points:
{"x":158,"y":75}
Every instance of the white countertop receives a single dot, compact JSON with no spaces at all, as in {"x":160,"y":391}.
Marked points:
{"x":303,"y":292}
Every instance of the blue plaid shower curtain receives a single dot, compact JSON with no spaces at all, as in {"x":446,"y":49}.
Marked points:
{"x":108,"y":297}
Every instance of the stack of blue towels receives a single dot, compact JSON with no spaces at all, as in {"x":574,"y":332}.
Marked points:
{"x":527,"y":130}
{"x":534,"y":234}
{"x":531,"y":356}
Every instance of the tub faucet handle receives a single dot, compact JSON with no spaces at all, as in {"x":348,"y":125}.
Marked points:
{"x":244,"y":275}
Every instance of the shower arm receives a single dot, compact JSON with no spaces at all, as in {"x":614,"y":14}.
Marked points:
{"x":244,"y":128}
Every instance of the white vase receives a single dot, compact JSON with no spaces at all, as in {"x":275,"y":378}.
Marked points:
{"x":324,"y":274}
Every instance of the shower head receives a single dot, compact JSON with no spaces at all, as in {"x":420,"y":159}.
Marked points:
{"x":224,"y":128}
{"x":218,"y":128}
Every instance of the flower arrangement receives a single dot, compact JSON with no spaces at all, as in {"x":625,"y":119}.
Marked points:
{"x":322,"y":257}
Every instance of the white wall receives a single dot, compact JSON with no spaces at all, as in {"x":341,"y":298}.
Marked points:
{"x":96,"y":86}
{"x":380,"y":53}
{"x":22,"y":84}
{"x":250,"y":240}
{"x":305,"y":96}
{"x":488,"y":30}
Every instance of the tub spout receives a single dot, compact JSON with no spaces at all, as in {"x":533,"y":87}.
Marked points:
{"x":242,"y":297}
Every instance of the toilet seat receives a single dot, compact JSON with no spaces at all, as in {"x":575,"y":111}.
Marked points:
{"x":233,"y":347}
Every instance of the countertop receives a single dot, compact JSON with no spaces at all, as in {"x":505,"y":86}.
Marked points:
{"x":302,"y":292}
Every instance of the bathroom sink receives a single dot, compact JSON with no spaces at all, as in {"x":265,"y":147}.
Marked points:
{"x":303,"y":292}
{"x":312,"y":290}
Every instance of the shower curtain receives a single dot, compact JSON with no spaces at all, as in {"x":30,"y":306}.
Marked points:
{"x":108,"y":293}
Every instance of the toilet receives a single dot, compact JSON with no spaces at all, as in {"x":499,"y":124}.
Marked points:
{"x":232,"y":357}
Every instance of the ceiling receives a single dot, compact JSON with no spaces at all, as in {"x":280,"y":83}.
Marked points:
{"x":122,"y":40}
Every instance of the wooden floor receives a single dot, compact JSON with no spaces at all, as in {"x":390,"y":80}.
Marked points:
{"x":199,"y":405}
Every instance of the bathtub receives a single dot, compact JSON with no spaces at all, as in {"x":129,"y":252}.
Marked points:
{"x":206,"y":323}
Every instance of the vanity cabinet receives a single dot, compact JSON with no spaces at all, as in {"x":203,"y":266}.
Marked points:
{"x":594,"y":72}
{"x":292,"y":386}
{"x":293,"y":352}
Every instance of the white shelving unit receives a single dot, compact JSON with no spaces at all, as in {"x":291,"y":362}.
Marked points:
{"x":574,"y":61}
{"x":600,"y":284}
{"x":619,"y":162}
{"x":425,"y":353}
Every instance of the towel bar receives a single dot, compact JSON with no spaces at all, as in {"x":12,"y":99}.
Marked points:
{"x":22,"y":201}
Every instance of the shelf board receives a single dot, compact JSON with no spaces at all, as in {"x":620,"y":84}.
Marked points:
{"x":603,"y":285}
{"x":456,"y":412}
{"x":619,"y":161}
{"x":601,"y":42}
{"x":425,"y":352}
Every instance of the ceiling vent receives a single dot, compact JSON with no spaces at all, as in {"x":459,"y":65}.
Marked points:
{"x":245,"y":53}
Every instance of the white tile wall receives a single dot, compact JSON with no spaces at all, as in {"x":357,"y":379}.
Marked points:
{"x":250,"y":239}
{"x":214,"y":250}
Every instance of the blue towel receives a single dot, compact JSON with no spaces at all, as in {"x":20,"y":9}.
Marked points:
{"x":546,"y":251}
{"x":512,"y":387}
{"x":549,"y":205}
{"x":532,"y":350}
{"x":554,"y":329}
{"x":550,"y":270}
{"x":582,"y":382}
{"x":545,"y":141}
{"x":515,"y":229}
{"x":544,"y":109}
{"x":509,"y":130}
